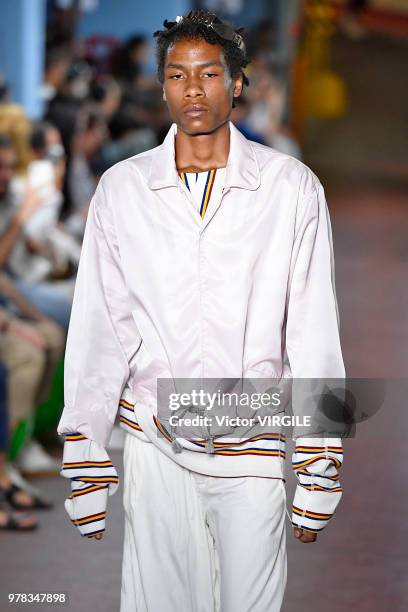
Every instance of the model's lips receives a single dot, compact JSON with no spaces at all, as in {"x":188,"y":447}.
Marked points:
{"x":195,"y":110}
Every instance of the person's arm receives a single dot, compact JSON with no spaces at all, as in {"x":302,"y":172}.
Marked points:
{"x":314,"y":352}
{"x":102,"y":338}
{"x":9,"y":238}
{"x":4,"y":320}
{"x":10,"y":291}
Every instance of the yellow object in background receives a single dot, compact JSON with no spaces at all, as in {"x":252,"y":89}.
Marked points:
{"x":320,"y":92}
{"x":326,"y":95}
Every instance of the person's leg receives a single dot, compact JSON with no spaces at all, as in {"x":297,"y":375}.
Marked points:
{"x":168,"y":553}
{"x":21,"y":497}
{"x":55,"y":338}
{"x":25,"y":365}
{"x":4,"y":422}
{"x":246,"y":517}
{"x":30,"y":376}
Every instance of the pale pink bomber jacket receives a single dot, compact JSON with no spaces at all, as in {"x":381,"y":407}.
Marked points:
{"x":247,"y":291}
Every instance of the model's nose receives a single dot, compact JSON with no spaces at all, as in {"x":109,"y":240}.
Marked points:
{"x":193,"y":89}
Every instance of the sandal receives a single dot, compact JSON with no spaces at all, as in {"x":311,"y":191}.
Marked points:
{"x":39,"y":503}
{"x":14,"y":523}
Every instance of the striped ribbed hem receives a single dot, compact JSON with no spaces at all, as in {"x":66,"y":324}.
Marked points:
{"x":195,"y":456}
{"x":267,"y":444}
{"x":128,"y":421}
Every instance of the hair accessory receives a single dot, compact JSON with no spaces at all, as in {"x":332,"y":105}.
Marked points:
{"x":210,"y":20}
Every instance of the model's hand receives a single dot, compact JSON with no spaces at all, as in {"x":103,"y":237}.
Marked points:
{"x":98,"y":536}
{"x":304,"y":535}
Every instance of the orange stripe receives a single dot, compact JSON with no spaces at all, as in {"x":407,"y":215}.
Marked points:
{"x":74,"y":437}
{"x":87,"y":464}
{"x":209,"y":190}
{"x":126,"y":421}
{"x":319,"y":449}
{"x":310,"y":514}
{"x":91,"y":489}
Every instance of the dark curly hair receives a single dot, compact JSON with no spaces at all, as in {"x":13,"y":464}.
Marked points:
{"x":201,"y":24}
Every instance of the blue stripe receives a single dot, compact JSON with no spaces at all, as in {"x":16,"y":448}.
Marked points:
{"x":307,"y":528}
{"x":97,"y":478}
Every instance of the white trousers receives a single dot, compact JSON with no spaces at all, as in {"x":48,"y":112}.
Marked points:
{"x":197,"y":543}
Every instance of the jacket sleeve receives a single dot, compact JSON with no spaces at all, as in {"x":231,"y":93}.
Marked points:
{"x":101,"y":340}
{"x":314,"y":352}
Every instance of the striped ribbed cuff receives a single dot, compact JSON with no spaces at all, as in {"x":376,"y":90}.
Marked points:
{"x":316,"y":462}
{"x":313,"y":509}
{"x":93,"y":478}
{"x":86,"y":507}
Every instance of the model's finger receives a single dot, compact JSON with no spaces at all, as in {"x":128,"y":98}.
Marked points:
{"x":304,"y":535}
{"x":308,"y":537}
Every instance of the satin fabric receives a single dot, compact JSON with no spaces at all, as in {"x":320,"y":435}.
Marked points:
{"x":247,"y":291}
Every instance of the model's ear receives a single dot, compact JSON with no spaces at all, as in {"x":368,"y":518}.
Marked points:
{"x":238,"y":85}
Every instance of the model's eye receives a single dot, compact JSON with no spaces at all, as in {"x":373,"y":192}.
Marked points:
{"x":210,"y":74}
{"x":175,"y":76}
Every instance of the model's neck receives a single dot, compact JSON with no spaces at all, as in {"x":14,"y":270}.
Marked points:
{"x":203,"y":151}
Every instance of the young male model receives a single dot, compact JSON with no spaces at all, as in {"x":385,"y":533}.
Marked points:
{"x":208,"y":257}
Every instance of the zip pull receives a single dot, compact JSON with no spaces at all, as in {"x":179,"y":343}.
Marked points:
{"x":176,"y":446}
{"x":210,"y":446}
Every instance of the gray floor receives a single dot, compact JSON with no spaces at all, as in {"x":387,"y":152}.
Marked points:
{"x":360,"y":561}
{"x":57,"y":559}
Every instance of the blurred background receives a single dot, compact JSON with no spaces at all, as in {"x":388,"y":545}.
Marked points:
{"x":78,"y":93}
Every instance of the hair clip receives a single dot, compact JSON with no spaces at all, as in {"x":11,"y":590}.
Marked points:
{"x":209,"y":20}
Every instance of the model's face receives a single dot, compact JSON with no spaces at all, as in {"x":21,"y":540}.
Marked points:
{"x":198,"y":87}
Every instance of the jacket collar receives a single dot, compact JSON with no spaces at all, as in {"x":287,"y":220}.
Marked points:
{"x":242,"y":166}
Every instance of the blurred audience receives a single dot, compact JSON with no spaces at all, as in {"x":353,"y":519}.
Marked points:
{"x":8,"y":494}
{"x":30,"y":348}
{"x":350,"y":22}
{"x":28,"y":261}
{"x":90,"y":134}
